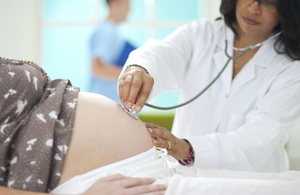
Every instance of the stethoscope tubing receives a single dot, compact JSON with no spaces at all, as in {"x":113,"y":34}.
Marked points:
{"x":208,"y":86}
{"x":244,"y":50}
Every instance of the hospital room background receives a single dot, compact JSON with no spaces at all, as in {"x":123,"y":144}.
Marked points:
{"x":56,"y":34}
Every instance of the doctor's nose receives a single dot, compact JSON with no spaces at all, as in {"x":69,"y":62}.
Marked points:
{"x":254,"y":8}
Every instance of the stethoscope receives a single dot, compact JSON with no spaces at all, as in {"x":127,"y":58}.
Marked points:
{"x":133,"y":113}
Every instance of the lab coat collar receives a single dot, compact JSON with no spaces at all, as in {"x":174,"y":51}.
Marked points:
{"x":262,"y":58}
{"x":267,"y":49}
{"x":265,"y":54}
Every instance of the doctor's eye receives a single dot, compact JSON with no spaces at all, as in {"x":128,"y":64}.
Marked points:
{"x":268,"y":5}
{"x":271,"y":2}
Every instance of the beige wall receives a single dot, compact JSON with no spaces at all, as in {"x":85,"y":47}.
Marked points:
{"x":20,"y":32}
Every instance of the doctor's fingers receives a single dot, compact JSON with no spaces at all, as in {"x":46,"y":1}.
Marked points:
{"x":143,"y":96}
{"x":136,"y":89}
{"x":151,"y":125}
{"x":174,"y":147}
{"x":161,"y":143}
{"x":120,"y":88}
{"x":129,"y":87}
{"x":161,"y":132}
{"x":145,"y":88}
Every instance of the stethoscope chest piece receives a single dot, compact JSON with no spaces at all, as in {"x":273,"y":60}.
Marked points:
{"x":131,"y":112}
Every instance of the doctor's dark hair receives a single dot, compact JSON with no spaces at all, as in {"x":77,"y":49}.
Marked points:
{"x":108,"y":1}
{"x":289,"y":16}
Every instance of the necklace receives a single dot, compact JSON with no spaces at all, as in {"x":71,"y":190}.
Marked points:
{"x":4,"y":61}
{"x":235,"y":67}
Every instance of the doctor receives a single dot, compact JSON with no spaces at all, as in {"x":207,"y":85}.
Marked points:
{"x":241,"y":121}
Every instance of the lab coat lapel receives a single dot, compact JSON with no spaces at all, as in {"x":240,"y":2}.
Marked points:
{"x":220,"y":58}
{"x":262,"y":58}
{"x":245,"y":75}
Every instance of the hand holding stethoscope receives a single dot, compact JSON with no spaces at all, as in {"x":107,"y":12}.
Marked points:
{"x":135,"y":85}
{"x":140,"y":90}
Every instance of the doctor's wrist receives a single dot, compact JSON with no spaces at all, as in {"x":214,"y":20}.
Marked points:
{"x":189,"y":157}
{"x":138,"y":67}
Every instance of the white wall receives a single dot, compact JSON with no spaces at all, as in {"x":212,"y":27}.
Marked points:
{"x":20,"y":32}
{"x":211,"y":11}
{"x":293,"y":147}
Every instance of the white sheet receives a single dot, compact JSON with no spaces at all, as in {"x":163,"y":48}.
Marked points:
{"x":146,"y":164}
{"x":224,"y":182}
{"x":189,"y":181}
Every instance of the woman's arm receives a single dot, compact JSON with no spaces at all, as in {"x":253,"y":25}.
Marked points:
{"x":119,"y":184}
{"x":167,"y":62}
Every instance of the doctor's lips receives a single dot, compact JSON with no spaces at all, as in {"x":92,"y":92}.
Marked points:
{"x":250,"y":21}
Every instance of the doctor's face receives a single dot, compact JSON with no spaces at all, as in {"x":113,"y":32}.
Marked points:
{"x":256,"y":18}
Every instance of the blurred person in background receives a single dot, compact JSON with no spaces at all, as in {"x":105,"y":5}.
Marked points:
{"x":109,"y":51}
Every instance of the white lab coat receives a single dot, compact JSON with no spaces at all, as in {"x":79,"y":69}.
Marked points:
{"x":238,"y":124}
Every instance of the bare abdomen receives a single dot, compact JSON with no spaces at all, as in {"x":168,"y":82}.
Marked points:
{"x":103,"y":133}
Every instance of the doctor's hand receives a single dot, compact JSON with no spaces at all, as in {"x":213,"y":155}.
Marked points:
{"x":178,"y":148}
{"x":119,"y":184}
{"x":134,"y":87}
